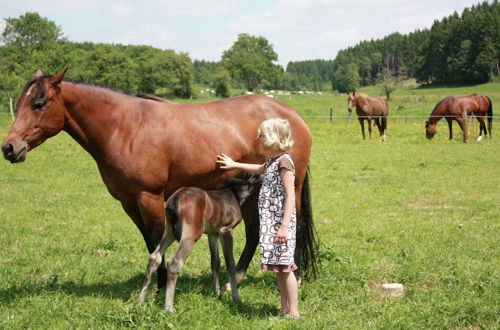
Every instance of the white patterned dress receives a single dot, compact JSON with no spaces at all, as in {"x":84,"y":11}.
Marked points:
{"x":271,"y":208}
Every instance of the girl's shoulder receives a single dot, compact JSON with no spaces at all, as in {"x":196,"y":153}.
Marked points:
{"x":286,"y":162}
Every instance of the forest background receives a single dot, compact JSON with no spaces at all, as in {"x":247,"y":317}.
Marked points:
{"x":459,"y":49}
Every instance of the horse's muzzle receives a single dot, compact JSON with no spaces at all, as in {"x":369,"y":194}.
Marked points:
{"x":11,"y":155}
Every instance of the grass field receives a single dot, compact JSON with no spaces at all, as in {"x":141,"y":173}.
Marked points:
{"x":422,"y":213}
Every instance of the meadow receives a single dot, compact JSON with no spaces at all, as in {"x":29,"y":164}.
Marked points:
{"x":412,"y":211}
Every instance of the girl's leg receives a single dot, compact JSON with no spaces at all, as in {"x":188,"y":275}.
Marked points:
{"x":289,"y":295}
{"x":285,"y":308}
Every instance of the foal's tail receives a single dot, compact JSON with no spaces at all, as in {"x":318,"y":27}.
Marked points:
{"x":490,"y":115}
{"x":174,"y":216}
{"x":309,"y":244}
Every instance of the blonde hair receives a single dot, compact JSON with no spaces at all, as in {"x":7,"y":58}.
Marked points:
{"x":277,"y":134}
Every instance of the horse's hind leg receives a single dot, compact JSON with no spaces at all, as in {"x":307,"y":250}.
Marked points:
{"x":155,"y":260}
{"x":380,"y":129}
{"x":213,"y":243}
{"x":227,"y":248}
{"x":482,"y":128}
{"x":370,"y":127}
{"x":174,"y":266}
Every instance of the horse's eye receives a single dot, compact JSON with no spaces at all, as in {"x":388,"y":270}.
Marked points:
{"x":38,"y":105}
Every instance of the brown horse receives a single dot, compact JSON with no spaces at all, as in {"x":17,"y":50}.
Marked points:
{"x":459,"y":108}
{"x":146,"y":148}
{"x":191,"y":212}
{"x":368,"y":108}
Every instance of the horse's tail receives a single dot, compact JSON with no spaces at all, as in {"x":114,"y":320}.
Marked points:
{"x":309,"y":245}
{"x":174,"y":216}
{"x":490,"y":115}
{"x":384,"y":117}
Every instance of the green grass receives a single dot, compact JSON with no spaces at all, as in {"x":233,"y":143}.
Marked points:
{"x":422,"y":213}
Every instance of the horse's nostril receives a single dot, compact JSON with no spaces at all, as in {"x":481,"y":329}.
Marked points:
{"x":7,"y":149}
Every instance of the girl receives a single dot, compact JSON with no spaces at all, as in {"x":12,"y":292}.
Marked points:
{"x":276,"y":208}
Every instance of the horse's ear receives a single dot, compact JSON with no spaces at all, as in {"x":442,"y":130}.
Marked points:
{"x":56,"y":79}
{"x":38,"y":73}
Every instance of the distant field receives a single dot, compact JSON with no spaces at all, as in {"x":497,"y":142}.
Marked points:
{"x":422,"y":213}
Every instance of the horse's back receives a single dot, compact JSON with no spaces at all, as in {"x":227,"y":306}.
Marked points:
{"x":202,"y":131}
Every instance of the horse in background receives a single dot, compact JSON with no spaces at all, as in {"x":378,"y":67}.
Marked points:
{"x":146,"y":148}
{"x":459,"y":108}
{"x":191,"y":212}
{"x":368,"y":108}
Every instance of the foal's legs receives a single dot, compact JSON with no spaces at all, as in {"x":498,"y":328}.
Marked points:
{"x":155,"y":260}
{"x":174,"y":266}
{"x":213,"y":244}
{"x":227,"y":248}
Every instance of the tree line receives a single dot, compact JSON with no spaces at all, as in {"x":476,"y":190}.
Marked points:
{"x":457,"y":49}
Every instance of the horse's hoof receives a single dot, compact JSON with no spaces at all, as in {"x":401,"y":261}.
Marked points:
{"x":170,"y":309}
{"x":225,"y":289}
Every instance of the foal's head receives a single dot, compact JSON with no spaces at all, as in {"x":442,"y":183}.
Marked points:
{"x":242,"y":188}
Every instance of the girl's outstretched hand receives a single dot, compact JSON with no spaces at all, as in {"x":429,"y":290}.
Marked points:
{"x":225,"y":161}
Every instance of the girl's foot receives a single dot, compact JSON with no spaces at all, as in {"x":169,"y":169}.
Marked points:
{"x":292,"y":316}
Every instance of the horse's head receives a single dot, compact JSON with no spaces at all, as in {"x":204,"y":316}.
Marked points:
{"x":430,"y":130}
{"x":40,"y":115}
{"x":351,"y":100}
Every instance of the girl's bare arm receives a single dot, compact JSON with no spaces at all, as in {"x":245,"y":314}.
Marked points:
{"x":227,"y":163}
{"x":288,"y":178}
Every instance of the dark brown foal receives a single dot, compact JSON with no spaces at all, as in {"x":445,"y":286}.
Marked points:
{"x":191,"y":212}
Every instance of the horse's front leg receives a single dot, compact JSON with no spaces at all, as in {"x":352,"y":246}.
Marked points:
{"x":227,"y":248}
{"x":155,"y":260}
{"x":251,"y":219}
{"x":362,"y":124}
{"x":450,"y":127}
{"x":213,"y":244}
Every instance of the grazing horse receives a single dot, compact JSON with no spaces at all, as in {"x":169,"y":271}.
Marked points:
{"x":146,"y":148}
{"x":368,"y":108}
{"x":191,"y":212}
{"x":459,"y":108}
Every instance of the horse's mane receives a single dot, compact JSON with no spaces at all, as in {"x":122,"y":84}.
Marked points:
{"x":437,"y":105}
{"x":151,"y":97}
{"x":96,"y":86}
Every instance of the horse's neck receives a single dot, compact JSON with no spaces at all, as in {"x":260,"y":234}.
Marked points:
{"x":93,"y":114}
{"x":436,"y":115}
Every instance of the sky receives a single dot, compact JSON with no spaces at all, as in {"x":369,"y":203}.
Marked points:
{"x":297,"y":29}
